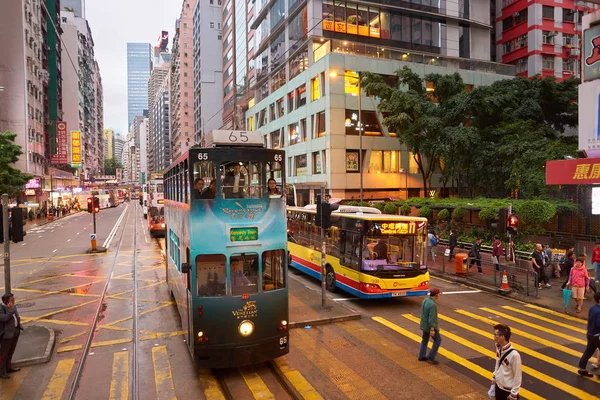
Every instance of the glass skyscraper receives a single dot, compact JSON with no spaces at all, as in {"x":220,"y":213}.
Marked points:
{"x":139,"y":65}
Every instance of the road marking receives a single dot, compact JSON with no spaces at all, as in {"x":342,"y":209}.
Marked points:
{"x":306,"y":390}
{"x":78,"y":233}
{"x":112,"y":233}
{"x":551,"y":321}
{"x":449,"y":385}
{"x":55,"y":250}
{"x":347,"y":381}
{"x":452,"y":356}
{"x":68,"y":240}
{"x":23,"y":244}
{"x":535,"y":338}
{"x":257,"y":386}
{"x":39,"y":237}
{"x":62,"y":310}
{"x":162,"y":373}
{"x":547,"y":379}
{"x":520,"y":348}
{"x":105,"y":343}
{"x":557,"y":314}
{"x":9,"y":391}
{"x":210,"y":385}
{"x":58,"y":382}
{"x":119,"y":384}
{"x":148,"y":335}
{"x":535,"y":326}
{"x":462,"y":292}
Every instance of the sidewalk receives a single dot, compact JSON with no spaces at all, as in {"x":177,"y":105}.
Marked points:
{"x":489,"y":280}
{"x":43,"y":221}
{"x":34,"y":346}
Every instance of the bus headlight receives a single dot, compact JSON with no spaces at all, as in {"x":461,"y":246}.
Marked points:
{"x":162,"y":225}
{"x":246,"y":328}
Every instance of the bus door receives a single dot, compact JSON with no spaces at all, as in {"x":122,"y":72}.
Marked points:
{"x":350,"y":247}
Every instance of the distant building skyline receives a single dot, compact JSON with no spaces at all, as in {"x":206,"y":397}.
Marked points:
{"x":139,"y":65}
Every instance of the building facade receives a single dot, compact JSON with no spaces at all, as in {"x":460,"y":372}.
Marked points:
{"x":75,"y":6}
{"x":160,"y":140}
{"x":144,"y":139}
{"x":119,"y":143}
{"x":52,"y":56}
{"x":109,"y":149}
{"x":182,"y":82}
{"x":238,"y":59}
{"x":139,"y":65}
{"x":306,"y":97}
{"x":157,"y":77}
{"x":541,"y":37}
{"x":207,"y":69}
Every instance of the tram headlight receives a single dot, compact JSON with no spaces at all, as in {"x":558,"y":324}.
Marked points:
{"x":284,"y":323}
{"x":246,"y":328}
{"x":200,"y":334}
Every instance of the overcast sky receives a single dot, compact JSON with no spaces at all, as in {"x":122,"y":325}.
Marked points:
{"x":113,"y":24}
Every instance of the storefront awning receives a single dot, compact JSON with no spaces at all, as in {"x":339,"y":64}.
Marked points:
{"x":581,"y":171}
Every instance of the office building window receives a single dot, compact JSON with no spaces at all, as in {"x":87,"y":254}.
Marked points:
{"x":548,"y":12}
{"x":569,"y":40}
{"x":272,"y":115}
{"x":413,"y":167}
{"x":384,"y":161}
{"x":568,"y":65}
{"x":276,"y":139}
{"x":568,"y":15}
{"x":464,"y":41}
{"x":300,"y":165}
{"x":547,"y":62}
{"x":521,"y":41}
{"x":548,"y":37}
{"x":521,"y":65}
{"x":294,"y":134}
{"x":291,"y":100}
{"x":369,"y":121}
{"x":316,"y":163}
{"x":280,"y":108}
{"x":303,"y":133}
{"x":301,"y":96}
{"x":318,"y":125}
{"x":315,"y":84}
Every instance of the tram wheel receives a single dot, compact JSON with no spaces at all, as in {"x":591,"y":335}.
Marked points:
{"x":330,"y":279}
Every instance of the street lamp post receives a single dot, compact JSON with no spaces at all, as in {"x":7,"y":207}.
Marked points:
{"x":334,"y":74}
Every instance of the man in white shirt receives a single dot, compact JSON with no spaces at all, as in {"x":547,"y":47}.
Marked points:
{"x":507,"y":373}
{"x":234,"y":183}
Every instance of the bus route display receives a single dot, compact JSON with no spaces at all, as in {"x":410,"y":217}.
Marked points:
{"x":395,"y":228}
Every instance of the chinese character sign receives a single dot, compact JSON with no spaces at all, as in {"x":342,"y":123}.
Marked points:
{"x":398,"y":228}
{"x":573,"y":172}
{"x":591,"y":53}
{"x":62,"y":145}
{"x":75,"y":149}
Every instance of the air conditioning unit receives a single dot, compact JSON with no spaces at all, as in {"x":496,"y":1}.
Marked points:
{"x":553,"y":33}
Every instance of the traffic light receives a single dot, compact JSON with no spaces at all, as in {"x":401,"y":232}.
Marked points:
{"x":90,"y":204}
{"x":96,"y":205}
{"x":16,"y":222}
{"x":513,"y":224}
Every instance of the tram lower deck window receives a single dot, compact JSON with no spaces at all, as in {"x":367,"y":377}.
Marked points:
{"x":211,"y":273}
{"x":244,"y":274}
{"x":273,"y":270}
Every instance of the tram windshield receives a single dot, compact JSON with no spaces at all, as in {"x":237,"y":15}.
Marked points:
{"x":244,"y":274}
{"x":242,"y":180}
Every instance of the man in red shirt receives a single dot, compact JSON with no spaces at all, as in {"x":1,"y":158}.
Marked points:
{"x":497,"y":252}
{"x":596,"y":261}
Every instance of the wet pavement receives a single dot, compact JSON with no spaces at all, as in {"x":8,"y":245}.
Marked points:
{"x":332,"y":355}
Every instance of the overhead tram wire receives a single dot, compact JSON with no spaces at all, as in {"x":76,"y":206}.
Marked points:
{"x":284,"y":53}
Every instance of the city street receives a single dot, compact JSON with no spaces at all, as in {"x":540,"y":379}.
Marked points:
{"x":58,"y":285}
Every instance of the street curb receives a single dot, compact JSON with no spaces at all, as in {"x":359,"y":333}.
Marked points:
{"x":97,"y":250}
{"x":42,"y":359}
{"x":324,"y":321}
{"x":514,"y":296}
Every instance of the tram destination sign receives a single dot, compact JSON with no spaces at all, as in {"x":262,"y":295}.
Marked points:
{"x":243,"y":234}
{"x":395,"y":228}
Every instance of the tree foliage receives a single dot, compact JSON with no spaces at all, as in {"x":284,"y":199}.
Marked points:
{"x":426,"y":212}
{"x":111,"y":165}
{"x":12,"y":181}
{"x":492,"y":141}
{"x":488,"y":214}
{"x":443,"y":215}
{"x":405,"y":209}
{"x":391,"y":208}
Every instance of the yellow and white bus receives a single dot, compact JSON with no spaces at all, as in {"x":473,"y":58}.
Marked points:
{"x":369,"y":254}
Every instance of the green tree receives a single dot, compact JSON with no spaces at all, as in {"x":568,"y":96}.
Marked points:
{"x":111,"y":165}
{"x":11,"y":179}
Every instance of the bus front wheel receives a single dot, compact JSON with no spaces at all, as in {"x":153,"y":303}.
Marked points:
{"x":330,"y":279}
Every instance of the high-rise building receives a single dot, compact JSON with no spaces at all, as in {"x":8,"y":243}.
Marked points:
{"x":207,"y":70}
{"x":157,"y":76}
{"x":109,"y":149}
{"x":75,"y":6}
{"x":182,"y":82}
{"x":308,"y":57}
{"x":139,"y":65}
{"x":541,"y":37}
{"x":160,"y":140}
{"x":144,"y":139}
{"x":119,"y":143}
{"x":82,"y":92}
{"x":23,"y":78}
{"x":238,"y":57}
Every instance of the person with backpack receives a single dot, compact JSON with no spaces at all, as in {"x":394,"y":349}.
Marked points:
{"x":475,"y":255}
{"x":431,"y":243}
{"x":508,"y":374}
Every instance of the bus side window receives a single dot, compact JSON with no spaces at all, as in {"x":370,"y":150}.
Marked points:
{"x":211,"y":275}
{"x":352,"y":243}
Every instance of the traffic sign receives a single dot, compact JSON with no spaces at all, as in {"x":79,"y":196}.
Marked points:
{"x":93,"y":236}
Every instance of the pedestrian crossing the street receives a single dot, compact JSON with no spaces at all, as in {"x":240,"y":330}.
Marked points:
{"x":356,"y":359}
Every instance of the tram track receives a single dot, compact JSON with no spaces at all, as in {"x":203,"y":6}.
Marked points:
{"x":269,"y":375}
{"x":90,"y":336}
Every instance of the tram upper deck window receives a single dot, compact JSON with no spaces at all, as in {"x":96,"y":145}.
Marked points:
{"x":205,"y":184}
{"x":244,"y":274}
{"x":242,"y":180}
{"x":211,"y":274}
{"x":274,"y":183}
{"x":273,"y":270}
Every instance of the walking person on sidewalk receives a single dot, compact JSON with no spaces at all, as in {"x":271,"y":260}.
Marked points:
{"x":579,"y":281}
{"x":593,"y":336}
{"x":596,"y":261}
{"x":475,"y":255}
{"x":508,"y":375}
{"x":452,"y":242}
{"x":497,"y":252}
{"x":431,"y":243}
{"x":538,"y":264}
{"x":567,"y":266}
{"x":10,"y":329}
{"x":429,"y":326}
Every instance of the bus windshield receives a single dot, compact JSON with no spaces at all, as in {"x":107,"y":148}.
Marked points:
{"x":396,"y":243}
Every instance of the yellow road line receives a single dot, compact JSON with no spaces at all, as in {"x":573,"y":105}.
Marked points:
{"x":9,"y":389}
{"x":535,"y":326}
{"x":520,"y":348}
{"x":130,"y":291}
{"x":557,"y":314}
{"x":257,"y":386}
{"x":210,"y":385}
{"x":61,"y":310}
{"x":162,"y":374}
{"x":550,"y":321}
{"x":547,"y":379}
{"x":159,"y":335}
{"x":448,"y":385}
{"x":61,"y":291}
{"x":306,"y":390}
{"x":58,"y":382}
{"x":75,"y":336}
{"x":347,"y":381}
{"x":105,"y":343}
{"x":452,"y":356}
{"x":535,"y":338}
{"x":119,"y":384}
{"x":142,"y":313}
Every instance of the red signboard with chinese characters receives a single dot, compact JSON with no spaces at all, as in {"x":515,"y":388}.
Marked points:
{"x":62,"y":145}
{"x":573,"y":172}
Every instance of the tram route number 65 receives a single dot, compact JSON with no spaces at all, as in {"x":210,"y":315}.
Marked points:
{"x":278,"y":157}
{"x":238,"y":136}
{"x":202,"y":156}
{"x":283,"y":341}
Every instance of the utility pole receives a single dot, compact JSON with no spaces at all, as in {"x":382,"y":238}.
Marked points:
{"x":320,"y":199}
{"x":509,"y":212}
{"x":7,"y":288}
